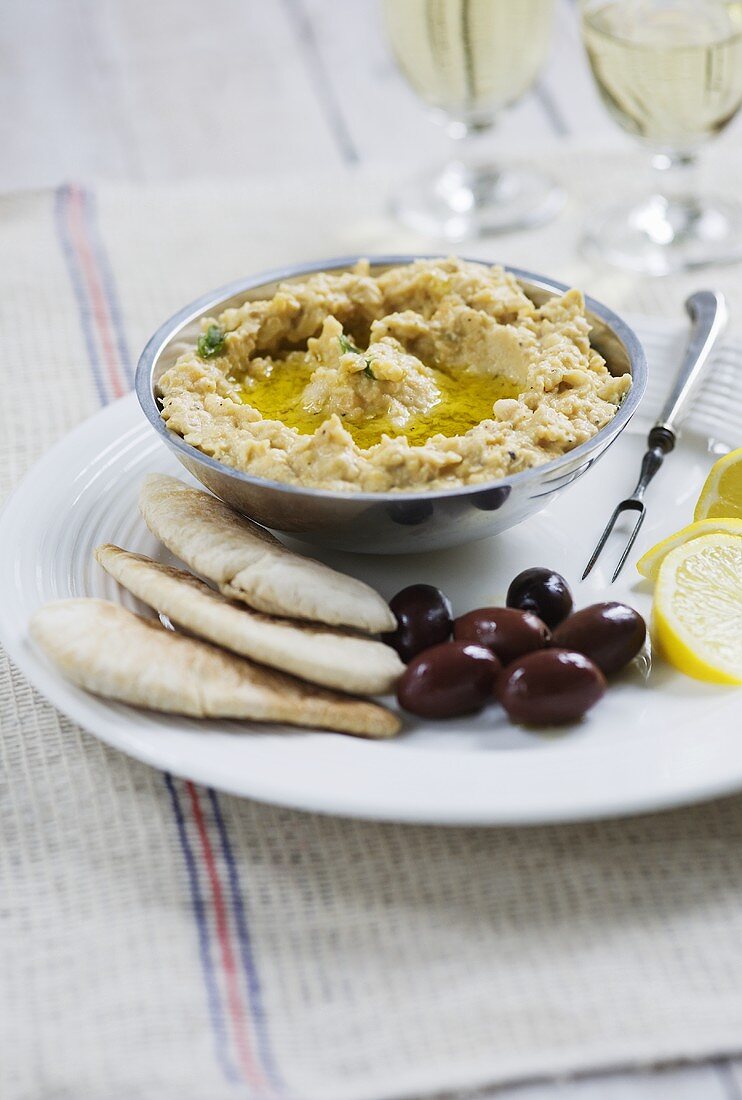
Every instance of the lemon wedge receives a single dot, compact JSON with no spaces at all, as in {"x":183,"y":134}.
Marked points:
{"x":697,"y":609}
{"x":649,"y":564}
{"x":721,"y":495}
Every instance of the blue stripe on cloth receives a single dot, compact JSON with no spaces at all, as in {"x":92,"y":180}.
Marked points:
{"x":221,"y":1042}
{"x":87,"y":322}
{"x":252,"y":978}
{"x":61,"y":200}
{"x":105,"y":271}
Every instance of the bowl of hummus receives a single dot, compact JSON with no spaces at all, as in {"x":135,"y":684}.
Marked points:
{"x":391,"y":403}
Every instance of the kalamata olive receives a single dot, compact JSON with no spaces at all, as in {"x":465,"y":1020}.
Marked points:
{"x":550,"y":687}
{"x":448,"y":680}
{"x":610,"y":634}
{"x":423,"y":620}
{"x":543,"y":592}
{"x":508,"y":632}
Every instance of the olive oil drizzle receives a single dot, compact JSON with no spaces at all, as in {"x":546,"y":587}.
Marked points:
{"x":466,"y":400}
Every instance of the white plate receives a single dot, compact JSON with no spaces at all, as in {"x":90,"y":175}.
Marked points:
{"x":647,"y":745}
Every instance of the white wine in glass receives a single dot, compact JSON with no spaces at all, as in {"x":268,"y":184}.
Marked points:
{"x":468,"y":60}
{"x":670,"y":73}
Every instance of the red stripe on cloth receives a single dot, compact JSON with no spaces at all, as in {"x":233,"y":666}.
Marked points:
{"x":94,"y":287}
{"x":235,"y":1004}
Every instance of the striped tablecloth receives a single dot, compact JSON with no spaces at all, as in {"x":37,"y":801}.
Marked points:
{"x":160,"y":939}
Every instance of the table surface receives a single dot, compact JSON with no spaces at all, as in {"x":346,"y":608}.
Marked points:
{"x":130,"y":90}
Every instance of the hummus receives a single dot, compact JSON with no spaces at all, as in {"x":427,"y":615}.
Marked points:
{"x":429,"y":376}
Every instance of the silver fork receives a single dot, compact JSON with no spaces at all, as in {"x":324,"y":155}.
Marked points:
{"x":709,"y":315}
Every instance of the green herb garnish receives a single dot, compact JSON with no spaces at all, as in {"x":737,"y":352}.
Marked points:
{"x":347,"y":345}
{"x":211,"y":342}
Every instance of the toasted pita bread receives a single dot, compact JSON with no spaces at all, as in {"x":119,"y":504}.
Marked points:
{"x":109,"y":651}
{"x":319,"y":654}
{"x":249,"y":564}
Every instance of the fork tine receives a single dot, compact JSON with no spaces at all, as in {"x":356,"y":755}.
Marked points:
{"x":603,"y":539}
{"x":630,"y":543}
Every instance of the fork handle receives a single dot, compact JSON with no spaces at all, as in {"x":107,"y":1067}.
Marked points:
{"x":651,"y":463}
{"x":709,"y":315}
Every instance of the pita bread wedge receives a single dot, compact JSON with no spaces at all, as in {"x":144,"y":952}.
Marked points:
{"x":109,"y":651}
{"x":249,"y":564}
{"x":319,"y":654}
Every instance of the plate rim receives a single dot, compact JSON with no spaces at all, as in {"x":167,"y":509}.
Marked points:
{"x":668,"y":791}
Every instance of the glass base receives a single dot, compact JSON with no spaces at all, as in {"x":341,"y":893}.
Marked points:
{"x":661,"y":235}
{"x":464,"y":201}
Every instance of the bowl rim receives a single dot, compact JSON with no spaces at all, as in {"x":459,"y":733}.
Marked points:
{"x":169,"y":329}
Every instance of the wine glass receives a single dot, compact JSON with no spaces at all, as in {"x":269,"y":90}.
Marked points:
{"x":468,"y":59}
{"x":670,"y":73}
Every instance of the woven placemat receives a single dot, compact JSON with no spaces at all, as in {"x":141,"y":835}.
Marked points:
{"x":161,"y":940}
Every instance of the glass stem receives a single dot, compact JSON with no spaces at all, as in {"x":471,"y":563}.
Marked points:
{"x":679,"y":185}
{"x":470,"y":178}
{"x":468,"y":140}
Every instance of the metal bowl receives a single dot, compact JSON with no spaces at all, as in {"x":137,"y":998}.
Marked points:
{"x":395,"y":522}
